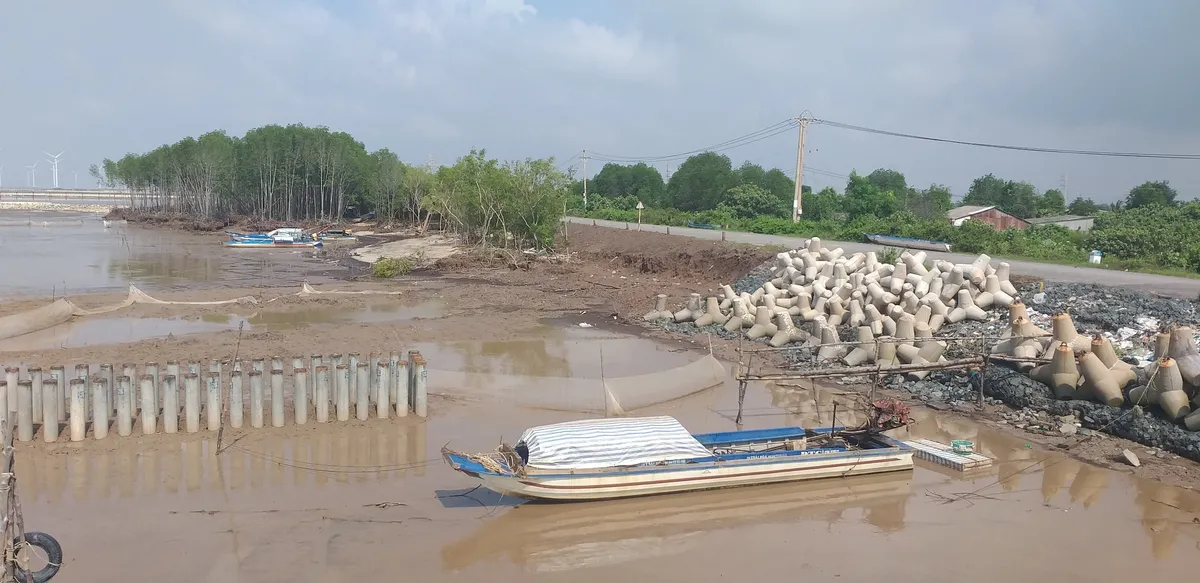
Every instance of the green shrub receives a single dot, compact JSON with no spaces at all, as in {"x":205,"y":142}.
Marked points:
{"x":888,"y":255}
{"x":388,"y":267}
{"x":1143,"y":239}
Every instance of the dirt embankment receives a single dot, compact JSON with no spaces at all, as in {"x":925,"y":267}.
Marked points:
{"x":617,"y":271}
{"x":666,"y":255}
{"x":185,"y":222}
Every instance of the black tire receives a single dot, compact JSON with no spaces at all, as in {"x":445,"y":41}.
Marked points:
{"x":54,"y":555}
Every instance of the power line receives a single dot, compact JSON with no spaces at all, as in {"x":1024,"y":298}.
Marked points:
{"x":750,"y":138}
{"x":1159,"y":156}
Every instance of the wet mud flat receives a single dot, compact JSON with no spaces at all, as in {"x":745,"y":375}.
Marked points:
{"x":483,"y":304}
{"x":372,"y":500}
{"x":360,"y":501}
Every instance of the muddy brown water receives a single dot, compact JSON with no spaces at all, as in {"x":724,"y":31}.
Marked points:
{"x":95,"y":331}
{"x":75,"y":252}
{"x":373,"y":502}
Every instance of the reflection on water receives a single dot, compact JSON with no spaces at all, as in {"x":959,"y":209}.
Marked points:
{"x":87,"y":331}
{"x":579,"y":353}
{"x":562,"y":371}
{"x":177,"y":465}
{"x":556,"y":537}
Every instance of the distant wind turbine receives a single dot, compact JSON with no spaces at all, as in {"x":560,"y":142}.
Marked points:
{"x":33,"y":174}
{"x":54,"y":165}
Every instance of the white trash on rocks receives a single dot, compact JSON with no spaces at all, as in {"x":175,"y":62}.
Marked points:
{"x":894,"y":310}
{"x":816,"y":290}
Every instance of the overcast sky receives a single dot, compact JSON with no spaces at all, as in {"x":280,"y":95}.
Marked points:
{"x":622,"y":77}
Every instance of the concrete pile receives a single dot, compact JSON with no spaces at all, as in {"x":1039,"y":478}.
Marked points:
{"x":1079,"y":367}
{"x":894,"y":310}
{"x":856,"y":311}
{"x":1087,"y":368}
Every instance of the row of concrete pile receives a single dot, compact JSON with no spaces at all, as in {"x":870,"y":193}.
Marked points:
{"x":895,"y":310}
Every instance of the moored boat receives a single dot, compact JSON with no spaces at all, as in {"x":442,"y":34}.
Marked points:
{"x":285,"y":232}
{"x":599,"y":459}
{"x":273,"y":243}
{"x":908,"y":243}
{"x":335,"y":235}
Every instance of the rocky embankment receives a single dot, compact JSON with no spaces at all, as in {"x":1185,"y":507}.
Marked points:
{"x":1078,"y":322}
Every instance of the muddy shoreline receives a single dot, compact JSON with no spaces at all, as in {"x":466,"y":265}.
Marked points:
{"x":605,"y":281}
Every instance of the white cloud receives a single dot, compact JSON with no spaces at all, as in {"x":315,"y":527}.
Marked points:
{"x":627,"y":77}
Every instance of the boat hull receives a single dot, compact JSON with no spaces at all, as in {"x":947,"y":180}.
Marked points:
{"x":906,"y":243}
{"x":700,"y":476}
{"x":271,"y":244}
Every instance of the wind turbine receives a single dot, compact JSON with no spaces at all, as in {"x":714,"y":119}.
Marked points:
{"x":33,"y":174}
{"x":54,"y":165}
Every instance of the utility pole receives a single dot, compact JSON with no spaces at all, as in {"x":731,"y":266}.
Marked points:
{"x":585,"y":159}
{"x":797,"y":206}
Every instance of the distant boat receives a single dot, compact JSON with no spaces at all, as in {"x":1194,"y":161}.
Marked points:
{"x":276,"y":241}
{"x":597,"y":459}
{"x":292,"y":232}
{"x":273,"y":243}
{"x":907,"y":243}
{"x":335,"y":235}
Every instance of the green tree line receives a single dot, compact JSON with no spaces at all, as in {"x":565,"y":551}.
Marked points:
{"x":708,"y":189}
{"x":294,"y":172}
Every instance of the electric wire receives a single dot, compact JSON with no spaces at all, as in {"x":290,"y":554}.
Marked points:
{"x":1104,"y":153}
{"x":750,"y":138}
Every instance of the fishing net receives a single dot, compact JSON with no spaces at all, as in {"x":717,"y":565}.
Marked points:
{"x":33,"y":223}
{"x":62,"y":310}
{"x":306,"y":290}
{"x":608,"y":396}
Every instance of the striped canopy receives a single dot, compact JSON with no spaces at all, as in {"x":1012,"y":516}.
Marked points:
{"x":605,"y":443}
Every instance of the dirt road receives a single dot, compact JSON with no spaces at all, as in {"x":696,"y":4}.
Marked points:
{"x":1178,"y":287}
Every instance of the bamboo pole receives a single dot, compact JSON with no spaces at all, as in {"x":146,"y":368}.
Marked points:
{"x":859,"y":370}
{"x":6,"y":496}
{"x":879,"y":339}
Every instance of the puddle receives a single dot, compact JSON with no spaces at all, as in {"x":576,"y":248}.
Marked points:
{"x":104,"y":331}
{"x":359,"y":501}
{"x":561,"y":352}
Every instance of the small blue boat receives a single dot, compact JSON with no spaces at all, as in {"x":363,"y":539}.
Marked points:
{"x":596,"y":459}
{"x":272,"y":243}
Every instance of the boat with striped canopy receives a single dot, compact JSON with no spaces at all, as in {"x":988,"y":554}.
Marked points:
{"x":598,"y":459}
